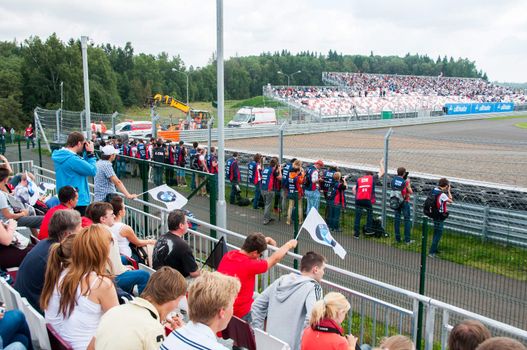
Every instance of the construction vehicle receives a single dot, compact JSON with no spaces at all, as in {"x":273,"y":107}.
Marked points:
{"x":198,"y":119}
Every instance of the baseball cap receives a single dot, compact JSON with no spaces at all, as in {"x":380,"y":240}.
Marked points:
{"x":319,"y":162}
{"x":109,"y":150}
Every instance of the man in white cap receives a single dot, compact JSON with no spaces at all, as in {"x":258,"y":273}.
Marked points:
{"x":105,"y":180}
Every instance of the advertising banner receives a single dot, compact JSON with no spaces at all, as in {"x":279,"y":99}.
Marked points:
{"x":473,"y":108}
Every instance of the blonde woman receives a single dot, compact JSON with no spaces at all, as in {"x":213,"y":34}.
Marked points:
{"x":75,"y":298}
{"x":325,"y":330}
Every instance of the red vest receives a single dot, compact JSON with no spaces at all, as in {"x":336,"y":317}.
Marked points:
{"x":365,"y":189}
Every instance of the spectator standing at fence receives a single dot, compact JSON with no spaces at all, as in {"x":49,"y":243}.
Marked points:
{"x":364,"y":192}
{"x":159,"y":154}
{"x":292,"y":295}
{"x":285,"y":187}
{"x":125,"y":277}
{"x":336,"y":201}
{"x":105,"y":180}
{"x":144,"y":316}
{"x":172,"y":250}
{"x":120,"y":168}
{"x":210,"y":299}
{"x":325,"y":330}
{"x":170,"y":160}
{"x":442,"y":196}
{"x":254,"y":177}
{"x":30,"y":276}
{"x":270,"y":175}
{"x":401,"y":183}
{"x":295,"y":192}
{"x":72,"y":169}
{"x":327,"y":186}
{"x":29,"y":134}
{"x":501,"y":343}
{"x":12,"y":132}
{"x":193,"y":161}
{"x":212,"y":161}
{"x":467,"y":335}
{"x":202,"y":166}
{"x":232,"y":173}
{"x":312,"y":185}
{"x":246,"y":264}
{"x":181,"y":155}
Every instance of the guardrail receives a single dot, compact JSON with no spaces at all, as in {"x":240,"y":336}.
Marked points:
{"x":311,"y":128}
{"x":373,"y":313}
{"x":489,"y":223}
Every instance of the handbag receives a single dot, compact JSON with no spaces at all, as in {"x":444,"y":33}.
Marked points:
{"x":20,"y":241}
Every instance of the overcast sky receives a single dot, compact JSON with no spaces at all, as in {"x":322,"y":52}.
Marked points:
{"x":491,"y":33}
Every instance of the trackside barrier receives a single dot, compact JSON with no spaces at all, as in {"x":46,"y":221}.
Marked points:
{"x":370,"y":318}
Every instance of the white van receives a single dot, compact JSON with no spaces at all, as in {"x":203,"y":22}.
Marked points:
{"x":248,"y":116}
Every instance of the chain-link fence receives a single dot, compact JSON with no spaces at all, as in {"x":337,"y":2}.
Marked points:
{"x":482,"y":253}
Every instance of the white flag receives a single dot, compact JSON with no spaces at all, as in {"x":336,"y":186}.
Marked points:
{"x":319,"y":231}
{"x":33,"y":189}
{"x":172,"y":199}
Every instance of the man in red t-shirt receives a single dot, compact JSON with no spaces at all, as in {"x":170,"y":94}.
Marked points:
{"x":245,"y":264}
{"x":68,"y":198}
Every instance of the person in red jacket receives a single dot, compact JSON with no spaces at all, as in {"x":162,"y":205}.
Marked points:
{"x":68,"y":198}
{"x":325,"y":330}
{"x":29,"y":134}
{"x":364,"y":192}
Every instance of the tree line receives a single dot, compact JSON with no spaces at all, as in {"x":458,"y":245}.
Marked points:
{"x":31,"y":73}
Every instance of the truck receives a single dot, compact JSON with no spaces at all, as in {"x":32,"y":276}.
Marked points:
{"x":253,"y":117}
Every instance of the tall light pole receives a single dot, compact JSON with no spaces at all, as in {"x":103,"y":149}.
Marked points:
{"x":289,"y":76}
{"x":221,"y":207}
{"x":186,"y":74}
{"x":59,"y":122}
{"x":84,"y":47}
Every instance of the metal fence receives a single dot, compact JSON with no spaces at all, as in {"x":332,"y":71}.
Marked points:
{"x":473,"y":271}
{"x":382,"y":311}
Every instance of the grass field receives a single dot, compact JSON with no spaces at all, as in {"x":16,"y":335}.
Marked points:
{"x":508,"y":117}
{"x":521,"y":125}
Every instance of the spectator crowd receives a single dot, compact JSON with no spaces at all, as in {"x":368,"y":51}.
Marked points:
{"x":79,"y":264}
{"x":363,"y":93}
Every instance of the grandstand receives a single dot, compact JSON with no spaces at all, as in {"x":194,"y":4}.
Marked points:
{"x":355,"y":94}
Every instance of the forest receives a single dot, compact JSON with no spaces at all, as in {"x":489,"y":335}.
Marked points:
{"x":31,"y":73}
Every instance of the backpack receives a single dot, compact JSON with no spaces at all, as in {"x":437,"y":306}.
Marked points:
{"x":430,"y":208}
{"x":396,"y":198}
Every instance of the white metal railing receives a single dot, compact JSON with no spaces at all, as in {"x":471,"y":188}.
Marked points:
{"x":370,"y":310}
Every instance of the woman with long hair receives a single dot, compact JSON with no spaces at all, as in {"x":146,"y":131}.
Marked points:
{"x":123,"y":234}
{"x":325,"y":330}
{"x":75,"y":298}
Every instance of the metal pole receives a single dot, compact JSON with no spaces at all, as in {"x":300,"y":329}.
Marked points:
{"x":221,"y":204}
{"x":61,"y":108}
{"x":57,"y":116}
{"x":188,"y":113}
{"x":385,"y":177}
{"x":154,"y":119}
{"x":209,"y":129}
{"x":422,"y":275}
{"x":114,"y":115}
{"x":84,"y":47}
{"x":281,"y":150}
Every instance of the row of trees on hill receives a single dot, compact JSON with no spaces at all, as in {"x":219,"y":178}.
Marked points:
{"x":31,"y":73}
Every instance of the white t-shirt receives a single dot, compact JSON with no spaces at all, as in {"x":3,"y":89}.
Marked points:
{"x":192,"y":336}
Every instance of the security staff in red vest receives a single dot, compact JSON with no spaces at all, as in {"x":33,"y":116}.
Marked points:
{"x":364,"y":192}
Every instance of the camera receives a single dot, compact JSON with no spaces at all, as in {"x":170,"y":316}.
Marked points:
{"x":405,"y":176}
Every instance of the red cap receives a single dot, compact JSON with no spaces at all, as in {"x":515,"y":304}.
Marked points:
{"x":319,"y":162}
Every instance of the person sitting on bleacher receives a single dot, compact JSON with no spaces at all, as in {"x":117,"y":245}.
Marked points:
{"x":172,"y":250}
{"x":210,"y":299}
{"x":77,"y":297}
{"x":123,"y":234}
{"x":68,"y":198}
{"x":144,"y":316}
{"x":8,"y":211}
{"x":30,"y":276}
{"x":126,"y":279}
{"x":325,"y":330}
{"x":14,"y":331}
{"x":10,"y":256}
{"x":291,"y":294}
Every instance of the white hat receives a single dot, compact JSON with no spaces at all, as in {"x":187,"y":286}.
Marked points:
{"x":109,"y":150}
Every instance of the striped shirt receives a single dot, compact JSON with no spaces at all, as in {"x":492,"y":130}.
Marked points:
{"x":102,"y":182}
{"x":192,"y":336}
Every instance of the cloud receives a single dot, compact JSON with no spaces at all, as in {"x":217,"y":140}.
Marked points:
{"x":487,"y":32}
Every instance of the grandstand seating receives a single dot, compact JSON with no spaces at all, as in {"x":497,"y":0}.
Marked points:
{"x":37,"y":324}
{"x":373,"y":93}
{"x":57,"y":343}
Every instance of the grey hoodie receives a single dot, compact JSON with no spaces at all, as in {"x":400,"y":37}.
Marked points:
{"x":287,"y":304}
